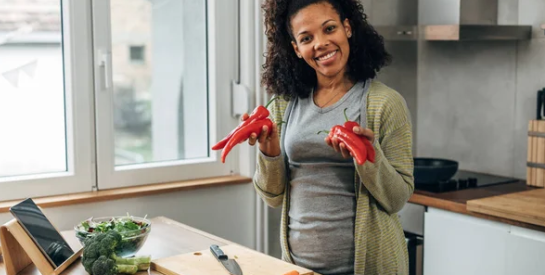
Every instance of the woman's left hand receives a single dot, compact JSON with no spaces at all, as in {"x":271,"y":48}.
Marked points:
{"x":341,"y":147}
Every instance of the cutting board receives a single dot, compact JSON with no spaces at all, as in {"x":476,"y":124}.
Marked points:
{"x":526,"y":206}
{"x":204,"y":263}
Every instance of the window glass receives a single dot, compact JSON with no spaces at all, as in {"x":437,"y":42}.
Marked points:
{"x":32,"y":94}
{"x":160,"y":80}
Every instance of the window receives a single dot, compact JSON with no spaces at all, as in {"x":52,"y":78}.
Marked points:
{"x":136,"y":53}
{"x":39,"y":109}
{"x":31,"y":83}
{"x":129,"y":93}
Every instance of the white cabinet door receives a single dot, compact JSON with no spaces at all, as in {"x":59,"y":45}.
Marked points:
{"x":412,"y":218}
{"x":460,"y":244}
{"x":525,"y":252}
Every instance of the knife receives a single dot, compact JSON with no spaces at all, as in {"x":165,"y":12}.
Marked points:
{"x":229,"y":264}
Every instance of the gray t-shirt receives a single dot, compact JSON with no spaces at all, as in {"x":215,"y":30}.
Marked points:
{"x":322,"y":197}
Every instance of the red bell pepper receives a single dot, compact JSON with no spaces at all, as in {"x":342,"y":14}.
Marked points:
{"x":359,"y":146}
{"x":370,"y":149}
{"x":259,"y":113}
{"x":244,"y":133}
{"x":353,"y":143}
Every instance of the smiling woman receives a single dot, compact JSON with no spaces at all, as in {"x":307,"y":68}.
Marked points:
{"x":338,"y":215}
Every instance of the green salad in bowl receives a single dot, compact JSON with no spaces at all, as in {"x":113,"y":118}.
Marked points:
{"x":134,"y":231}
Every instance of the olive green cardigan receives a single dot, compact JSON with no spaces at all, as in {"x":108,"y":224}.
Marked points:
{"x":384,"y":188}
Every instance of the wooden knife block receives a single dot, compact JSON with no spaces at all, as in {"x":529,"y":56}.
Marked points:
{"x":19,"y":251}
{"x":535,"y":171}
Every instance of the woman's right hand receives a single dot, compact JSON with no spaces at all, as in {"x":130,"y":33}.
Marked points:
{"x":269,"y":144}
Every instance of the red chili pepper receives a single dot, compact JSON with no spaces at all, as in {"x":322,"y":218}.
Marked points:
{"x":370,"y":150}
{"x":244,"y":133}
{"x":353,"y":143}
{"x":259,"y":113}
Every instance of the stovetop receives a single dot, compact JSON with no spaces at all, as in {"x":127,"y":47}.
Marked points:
{"x":465,"y":180}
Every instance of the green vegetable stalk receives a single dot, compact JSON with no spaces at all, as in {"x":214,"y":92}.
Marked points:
{"x":106,"y":266}
{"x":99,"y":256}
{"x":141,"y":262}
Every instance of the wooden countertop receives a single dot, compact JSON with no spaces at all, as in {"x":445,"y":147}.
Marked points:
{"x":167,"y":238}
{"x":181,"y":239}
{"x":527,"y":206}
{"x":456,"y":201}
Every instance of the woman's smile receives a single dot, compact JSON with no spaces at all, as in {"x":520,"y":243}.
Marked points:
{"x":327,"y":58}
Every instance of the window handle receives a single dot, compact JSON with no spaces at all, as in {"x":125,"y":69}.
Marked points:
{"x":106,"y":69}
{"x":241,"y":95}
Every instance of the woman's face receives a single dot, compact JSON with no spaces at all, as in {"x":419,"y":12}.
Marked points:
{"x":321,"y":39}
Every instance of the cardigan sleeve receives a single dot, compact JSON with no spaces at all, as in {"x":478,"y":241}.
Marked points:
{"x":390,"y":179}
{"x":270,"y":177}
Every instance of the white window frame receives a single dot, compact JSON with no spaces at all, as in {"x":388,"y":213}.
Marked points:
{"x":221,"y":46}
{"x":80,"y":174}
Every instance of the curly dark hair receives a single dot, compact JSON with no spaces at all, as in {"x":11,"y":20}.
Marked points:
{"x":288,"y":76}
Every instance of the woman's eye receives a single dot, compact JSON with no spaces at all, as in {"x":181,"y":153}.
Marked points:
{"x":330,"y":28}
{"x":305,"y":39}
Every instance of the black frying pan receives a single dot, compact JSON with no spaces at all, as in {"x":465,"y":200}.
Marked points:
{"x":431,"y":170}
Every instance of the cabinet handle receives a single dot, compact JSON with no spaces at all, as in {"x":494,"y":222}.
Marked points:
{"x":527,"y":233}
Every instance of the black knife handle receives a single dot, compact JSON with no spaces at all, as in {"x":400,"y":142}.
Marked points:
{"x":217,"y":252}
{"x":542,"y":102}
{"x":539,"y":104}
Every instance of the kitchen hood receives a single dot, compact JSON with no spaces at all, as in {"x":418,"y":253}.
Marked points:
{"x":456,"y":20}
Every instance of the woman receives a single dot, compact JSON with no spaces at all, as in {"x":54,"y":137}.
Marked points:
{"x":338,"y":217}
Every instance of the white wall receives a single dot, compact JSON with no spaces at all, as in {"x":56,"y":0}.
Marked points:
{"x":225,"y":211}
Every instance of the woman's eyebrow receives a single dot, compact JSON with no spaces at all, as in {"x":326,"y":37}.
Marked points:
{"x":325,"y":22}
{"x":303,"y":32}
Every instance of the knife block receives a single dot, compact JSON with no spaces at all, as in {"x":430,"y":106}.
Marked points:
{"x":535,"y":166}
{"x":19,"y":251}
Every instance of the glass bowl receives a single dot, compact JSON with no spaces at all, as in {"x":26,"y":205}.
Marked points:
{"x":132,"y":239}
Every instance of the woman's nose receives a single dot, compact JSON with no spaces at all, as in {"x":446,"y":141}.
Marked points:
{"x":321,"y":42}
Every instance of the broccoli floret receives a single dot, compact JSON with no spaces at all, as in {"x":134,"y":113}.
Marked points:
{"x":107,"y":266}
{"x":99,"y":256}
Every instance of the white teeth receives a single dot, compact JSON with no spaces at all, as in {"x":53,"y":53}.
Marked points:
{"x":328,"y":56}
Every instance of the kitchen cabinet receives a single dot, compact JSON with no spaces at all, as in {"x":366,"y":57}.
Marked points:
{"x":460,"y":244}
{"x":525,"y":252}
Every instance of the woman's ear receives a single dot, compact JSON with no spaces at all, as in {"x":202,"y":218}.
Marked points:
{"x":296,"y":49}
{"x":347,"y":27}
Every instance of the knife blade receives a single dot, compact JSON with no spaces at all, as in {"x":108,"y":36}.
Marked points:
{"x":229,"y":264}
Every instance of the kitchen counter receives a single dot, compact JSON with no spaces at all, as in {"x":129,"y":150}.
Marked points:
{"x":167,"y":238}
{"x":527,"y":206}
{"x":456,"y":201}
{"x":181,"y":239}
